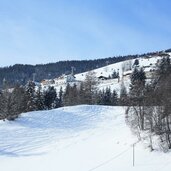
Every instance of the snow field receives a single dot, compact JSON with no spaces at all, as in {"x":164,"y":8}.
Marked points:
{"x":79,"y":138}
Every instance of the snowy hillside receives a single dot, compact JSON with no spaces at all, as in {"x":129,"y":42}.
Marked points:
{"x":80,"y":138}
{"x":108,"y":70}
{"x":148,"y":64}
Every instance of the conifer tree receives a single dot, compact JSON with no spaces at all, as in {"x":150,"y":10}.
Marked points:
{"x":30,"y":96}
{"x":39,"y":99}
{"x":4,"y":104}
{"x":81,"y":92}
{"x":66,"y":96}
{"x":115,"y":74}
{"x":137,"y":83}
{"x":50,"y":96}
{"x":90,"y":88}
{"x":137,"y":100}
{"x":114,"y":98}
{"x":71,"y":95}
{"x":123,"y":100}
{"x":19,"y":102}
{"x":136,"y":62}
{"x":100,"y":96}
{"x":107,"y":97}
{"x":60,"y":102}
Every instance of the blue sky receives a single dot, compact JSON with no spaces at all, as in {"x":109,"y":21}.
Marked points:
{"x":43,"y":31}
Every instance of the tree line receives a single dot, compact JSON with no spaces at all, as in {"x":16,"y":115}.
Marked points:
{"x":31,"y":97}
{"x":149,"y":104}
{"x":27,"y":98}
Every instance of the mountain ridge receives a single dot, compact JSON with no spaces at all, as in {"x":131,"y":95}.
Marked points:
{"x":22,"y":73}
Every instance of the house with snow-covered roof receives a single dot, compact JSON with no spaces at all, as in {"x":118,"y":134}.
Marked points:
{"x":64,"y":79}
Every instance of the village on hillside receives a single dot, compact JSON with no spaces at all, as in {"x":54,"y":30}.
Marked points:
{"x":108,"y":75}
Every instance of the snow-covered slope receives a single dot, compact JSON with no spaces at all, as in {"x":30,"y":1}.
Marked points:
{"x":147,"y":63}
{"x":114,"y":84}
{"x":80,"y":138}
{"x":108,"y":70}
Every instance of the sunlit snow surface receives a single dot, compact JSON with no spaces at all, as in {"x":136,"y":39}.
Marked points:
{"x":80,"y":138}
{"x":114,"y":84}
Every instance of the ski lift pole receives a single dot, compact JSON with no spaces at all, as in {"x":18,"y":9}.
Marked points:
{"x":133,"y":154}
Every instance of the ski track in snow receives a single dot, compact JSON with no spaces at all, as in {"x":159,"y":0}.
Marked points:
{"x":78,"y":138}
{"x":28,"y":134}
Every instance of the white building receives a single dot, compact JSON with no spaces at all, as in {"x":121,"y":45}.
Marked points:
{"x":47,"y":82}
{"x":64,"y":79}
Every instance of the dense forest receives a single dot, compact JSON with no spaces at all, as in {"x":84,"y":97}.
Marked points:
{"x":32,"y":98}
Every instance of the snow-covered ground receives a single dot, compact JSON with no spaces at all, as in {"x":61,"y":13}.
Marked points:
{"x":147,"y":63}
{"x":79,"y":138}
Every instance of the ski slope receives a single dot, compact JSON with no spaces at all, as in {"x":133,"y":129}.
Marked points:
{"x":79,"y":138}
